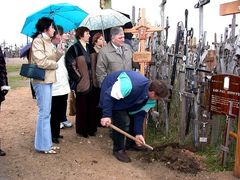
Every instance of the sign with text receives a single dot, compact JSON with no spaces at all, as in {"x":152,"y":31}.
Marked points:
{"x":225,"y":94}
{"x":142,"y":57}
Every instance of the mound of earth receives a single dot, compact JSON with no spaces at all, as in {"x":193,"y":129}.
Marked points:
{"x":175,"y":157}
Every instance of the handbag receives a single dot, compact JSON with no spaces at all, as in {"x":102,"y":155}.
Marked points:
{"x":32,"y":70}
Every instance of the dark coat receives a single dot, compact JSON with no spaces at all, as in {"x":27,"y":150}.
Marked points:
{"x":3,"y":76}
{"x":81,"y":66}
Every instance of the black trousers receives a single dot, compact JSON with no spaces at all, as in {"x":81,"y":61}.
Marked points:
{"x":87,"y":112}
{"x":65,"y":103}
{"x":58,"y":112}
{"x":122,"y":120}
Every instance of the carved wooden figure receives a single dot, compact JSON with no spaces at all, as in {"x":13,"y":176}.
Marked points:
{"x":141,"y":30}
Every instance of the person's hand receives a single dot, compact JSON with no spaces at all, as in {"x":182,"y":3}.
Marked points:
{"x":5,"y":89}
{"x":140,"y":140}
{"x":106,"y":121}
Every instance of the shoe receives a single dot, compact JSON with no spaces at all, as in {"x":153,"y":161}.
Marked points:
{"x":67,"y":124}
{"x":122,"y":156}
{"x":61,"y":125}
{"x":83,"y":135}
{"x":60,"y":136}
{"x":136,"y":148}
{"x":55,"y":148}
{"x":92,"y":134}
{"x":51,"y":151}
{"x":55,"y":140}
{"x":2,"y":153}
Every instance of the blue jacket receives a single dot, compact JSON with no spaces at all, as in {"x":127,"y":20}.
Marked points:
{"x":125,"y":90}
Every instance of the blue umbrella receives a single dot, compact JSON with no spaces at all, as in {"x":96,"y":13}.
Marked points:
{"x":67,"y":15}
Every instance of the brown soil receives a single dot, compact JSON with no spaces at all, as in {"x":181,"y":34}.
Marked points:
{"x":175,"y":157}
{"x":81,"y":158}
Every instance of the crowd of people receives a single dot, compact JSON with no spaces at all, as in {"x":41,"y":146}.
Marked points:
{"x":102,"y":78}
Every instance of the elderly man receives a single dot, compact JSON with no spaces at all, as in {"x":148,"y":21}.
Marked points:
{"x":115,"y":56}
{"x":128,"y":92}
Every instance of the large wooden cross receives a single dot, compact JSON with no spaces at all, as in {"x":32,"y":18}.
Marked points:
{"x":141,"y":30}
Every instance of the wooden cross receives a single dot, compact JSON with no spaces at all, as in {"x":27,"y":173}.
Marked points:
{"x":140,"y":31}
{"x":230,"y":8}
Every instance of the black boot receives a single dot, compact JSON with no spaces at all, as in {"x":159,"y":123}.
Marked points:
{"x":2,"y":153}
{"x":55,"y":140}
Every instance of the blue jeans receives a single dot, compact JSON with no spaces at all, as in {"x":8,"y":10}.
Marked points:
{"x":43,"y":136}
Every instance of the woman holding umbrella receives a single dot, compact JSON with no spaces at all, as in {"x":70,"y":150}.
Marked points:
{"x":45,"y":56}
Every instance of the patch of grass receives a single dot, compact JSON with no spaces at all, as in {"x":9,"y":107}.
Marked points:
{"x":14,"y":79}
{"x":212,"y":159}
{"x":17,"y":81}
{"x":13,"y":68}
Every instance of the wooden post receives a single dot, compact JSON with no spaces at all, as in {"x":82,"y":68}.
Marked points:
{"x":237,"y":151}
{"x":143,"y":57}
{"x":105,"y":4}
{"x":236,"y":171}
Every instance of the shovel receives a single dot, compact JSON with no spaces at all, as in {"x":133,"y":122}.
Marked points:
{"x":129,"y":136}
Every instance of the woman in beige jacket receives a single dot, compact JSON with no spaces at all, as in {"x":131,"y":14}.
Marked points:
{"x":45,"y":56}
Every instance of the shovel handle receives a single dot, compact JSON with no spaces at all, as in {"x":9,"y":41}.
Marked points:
{"x":129,"y":136}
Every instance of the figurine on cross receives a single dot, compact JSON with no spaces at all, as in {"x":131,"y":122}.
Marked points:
{"x":140,"y":31}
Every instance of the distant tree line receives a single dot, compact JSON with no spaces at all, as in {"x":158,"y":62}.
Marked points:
{"x":10,"y":51}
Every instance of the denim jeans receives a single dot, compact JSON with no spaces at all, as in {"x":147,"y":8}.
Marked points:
{"x":43,"y":136}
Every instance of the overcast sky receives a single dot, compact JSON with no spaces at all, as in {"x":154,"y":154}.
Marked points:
{"x":14,"y":12}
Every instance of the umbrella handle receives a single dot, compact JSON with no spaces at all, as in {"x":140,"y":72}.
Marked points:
{"x":129,"y":136}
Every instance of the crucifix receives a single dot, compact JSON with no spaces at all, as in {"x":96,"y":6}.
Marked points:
{"x":141,"y":30}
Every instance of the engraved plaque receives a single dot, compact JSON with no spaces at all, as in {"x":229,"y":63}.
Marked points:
{"x":142,"y":57}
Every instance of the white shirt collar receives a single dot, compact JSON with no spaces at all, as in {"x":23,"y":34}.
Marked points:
{"x":116,"y":47}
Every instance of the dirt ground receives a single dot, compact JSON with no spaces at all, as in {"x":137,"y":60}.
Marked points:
{"x":79,"y":158}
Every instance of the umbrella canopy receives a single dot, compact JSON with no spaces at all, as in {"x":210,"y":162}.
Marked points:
{"x":104,"y":19}
{"x":24,"y":50}
{"x":67,"y":15}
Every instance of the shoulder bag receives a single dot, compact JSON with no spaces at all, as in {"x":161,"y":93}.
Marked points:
{"x":32,"y":70}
